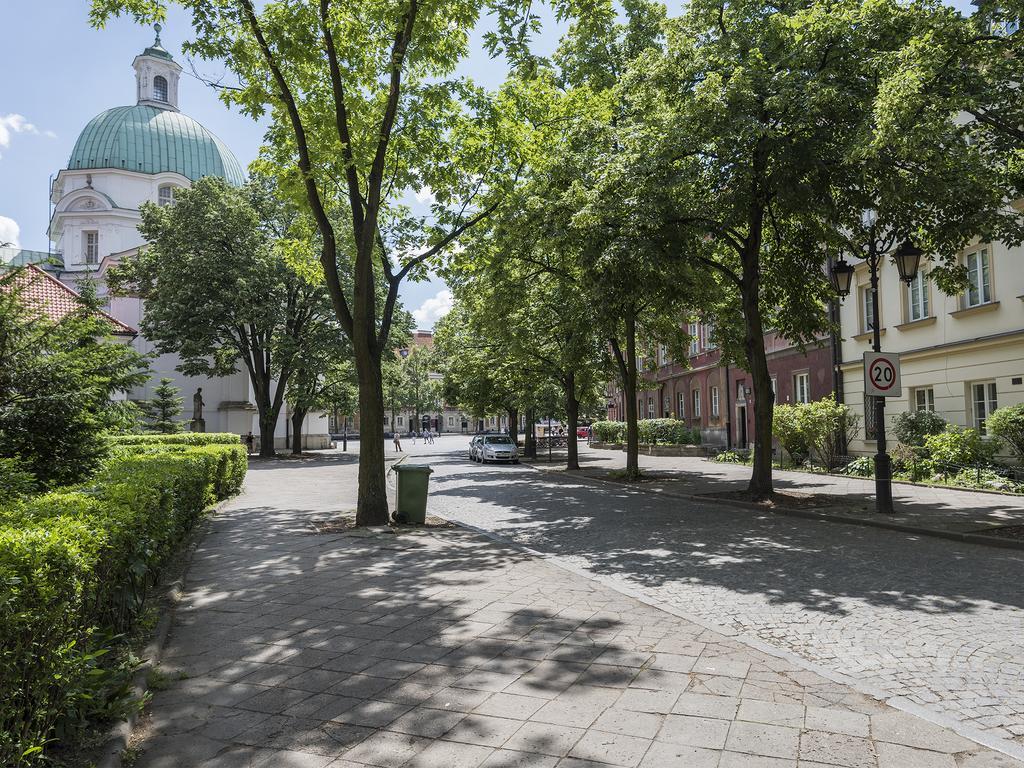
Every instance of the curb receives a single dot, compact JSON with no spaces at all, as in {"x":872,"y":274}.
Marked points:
{"x":901,"y":703}
{"x":117,"y":739}
{"x":939,"y":533}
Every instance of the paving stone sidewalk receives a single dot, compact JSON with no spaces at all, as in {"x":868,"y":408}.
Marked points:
{"x":920,"y":506}
{"x":444,"y":648}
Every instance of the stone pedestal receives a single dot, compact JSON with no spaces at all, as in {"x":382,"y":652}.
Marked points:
{"x":198,"y":425}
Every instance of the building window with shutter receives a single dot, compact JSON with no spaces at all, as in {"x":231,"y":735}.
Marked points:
{"x":91,"y":247}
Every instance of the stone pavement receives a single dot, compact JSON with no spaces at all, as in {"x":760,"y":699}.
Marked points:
{"x":444,"y":648}
{"x":921,"y":506}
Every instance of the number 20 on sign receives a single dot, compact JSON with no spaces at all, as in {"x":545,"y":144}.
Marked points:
{"x":882,"y":374}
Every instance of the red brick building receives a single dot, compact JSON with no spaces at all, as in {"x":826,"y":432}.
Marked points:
{"x":717,"y":398}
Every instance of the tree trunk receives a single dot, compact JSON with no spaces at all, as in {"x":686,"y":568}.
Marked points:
{"x":372,"y":502}
{"x":629,"y":391}
{"x":572,"y":415}
{"x":298,"y":417}
{"x":267,"y":421}
{"x":513,"y":424}
{"x":530,"y":443}
{"x":757,"y":363}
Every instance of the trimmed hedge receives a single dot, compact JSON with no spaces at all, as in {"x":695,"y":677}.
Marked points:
{"x":181,"y":438}
{"x":652,"y":431}
{"x":76,"y":566}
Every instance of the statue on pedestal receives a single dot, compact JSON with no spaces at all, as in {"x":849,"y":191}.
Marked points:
{"x":198,"y":423}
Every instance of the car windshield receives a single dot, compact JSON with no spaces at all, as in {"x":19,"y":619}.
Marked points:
{"x":500,"y":440}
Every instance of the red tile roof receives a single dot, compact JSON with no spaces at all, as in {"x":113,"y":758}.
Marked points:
{"x":49,"y":295}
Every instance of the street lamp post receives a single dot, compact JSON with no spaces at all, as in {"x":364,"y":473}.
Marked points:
{"x":906,"y":257}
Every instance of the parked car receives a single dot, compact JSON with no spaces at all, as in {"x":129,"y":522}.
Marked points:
{"x":583,"y":432}
{"x":485,"y":448}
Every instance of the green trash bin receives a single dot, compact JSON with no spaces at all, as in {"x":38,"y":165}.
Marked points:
{"x":412,"y":492}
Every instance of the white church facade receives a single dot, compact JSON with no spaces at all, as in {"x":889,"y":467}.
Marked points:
{"x":126,"y":156}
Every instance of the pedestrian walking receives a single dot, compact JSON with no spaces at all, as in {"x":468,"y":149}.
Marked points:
{"x":250,"y":442}
{"x":398,"y":443}
{"x":413,"y":433}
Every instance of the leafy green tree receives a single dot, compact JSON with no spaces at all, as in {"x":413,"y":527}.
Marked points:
{"x":164,"y":407}
{"x":364,"y":107}
{"x":1007,"y":424}
{"x":220,"y":292}
{"x":57,"y":378}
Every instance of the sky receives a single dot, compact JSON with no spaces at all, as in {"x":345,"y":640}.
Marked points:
{"x":58,"y":73}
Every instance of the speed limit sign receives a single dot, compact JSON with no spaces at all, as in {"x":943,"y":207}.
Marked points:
{"x":882,"y":374}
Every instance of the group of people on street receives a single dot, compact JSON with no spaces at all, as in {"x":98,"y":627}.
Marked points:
{"x":428,"y":438}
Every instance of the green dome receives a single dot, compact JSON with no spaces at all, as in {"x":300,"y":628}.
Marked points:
{"x":151,"y":140}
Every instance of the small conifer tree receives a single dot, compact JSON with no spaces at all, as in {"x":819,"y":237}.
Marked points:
{"x":164,"y":406}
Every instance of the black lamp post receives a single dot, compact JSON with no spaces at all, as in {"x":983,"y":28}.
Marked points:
{"x":907,"y":258}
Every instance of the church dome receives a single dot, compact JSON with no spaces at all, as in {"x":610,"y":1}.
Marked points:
{"x":147,"y":139}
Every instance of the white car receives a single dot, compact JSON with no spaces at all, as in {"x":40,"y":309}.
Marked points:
{"x":485,"y":448}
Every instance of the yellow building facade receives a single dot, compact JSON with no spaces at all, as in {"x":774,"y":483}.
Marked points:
{"x":961,"y":356}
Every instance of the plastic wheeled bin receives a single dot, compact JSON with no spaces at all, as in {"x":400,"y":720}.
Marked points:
{"x":412,"y":492}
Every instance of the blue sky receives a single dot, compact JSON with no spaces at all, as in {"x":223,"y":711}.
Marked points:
{"x":59,"y":73}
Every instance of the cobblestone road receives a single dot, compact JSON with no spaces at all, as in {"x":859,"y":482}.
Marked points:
{"x":937,"y":622}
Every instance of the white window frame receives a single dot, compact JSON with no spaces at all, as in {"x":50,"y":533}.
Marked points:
{"x":918,"y":307}
{"x":451,"y":421}
{"x":694,"y":332}
{"x":165,"y":194}
{"x":984,"y":400}
{"x":714,"y":402}
{"x":709,"y":331}
{"x":91,"y":246}
{"x":662,"y":355}
{"x":696,"y":403}
{"x":775,"y":388}
{"x":651,"y":413}
{"x":867,"y":309}
{"x":401,"y":421}
{"x":802,"y":387}
{"x":924,"y":399}
{"x":979,"y":278}
{"x":681,"y":404}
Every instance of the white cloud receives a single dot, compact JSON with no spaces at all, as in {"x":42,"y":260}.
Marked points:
{"x":425,"y":196}
{"x":9,"y":231}
{"x":433,"y":309}
{"x":15,"y":123}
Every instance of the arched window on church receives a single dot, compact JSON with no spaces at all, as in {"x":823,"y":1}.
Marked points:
{"x":165,"y":194}
{"x":160,"y":88}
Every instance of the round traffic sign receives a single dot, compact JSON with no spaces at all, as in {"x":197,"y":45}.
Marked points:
{"x":883,"y":374}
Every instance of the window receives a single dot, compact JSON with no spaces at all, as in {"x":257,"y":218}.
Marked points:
{"x":917,"y":297}
{"x":709,"y":331}
{"x":924,"y":399}
{"x":401,"y":421}
{"x":741,"y":391}
{"x":650,"y":408}
{"x":694,"y":332}
{"x":984,"y":399}
{"x":867,"y":310}
{"x":802,"y":388}
{"x":682,"y":405}
{"x":385,"y":421}
{"x":159,"y":88}
{"x":870,"y":425}
{"x":451,"y":421}
{"x":640,"y":408}
{"x":696,"y":403}
{"x":714,"y":402}
{"x":91,"y":247}
{"x":165,"y":194}
{"x":662,"y":355}
{"x":775,"y":389}
{"x":979,"y":279}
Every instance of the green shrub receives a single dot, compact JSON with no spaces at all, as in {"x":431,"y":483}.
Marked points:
{"x":788,"y":428}
{"x":986,"y":479}
{"x":913,"y":427}
{"x":609,"y":431}
{"x":825,"y":424}
{"x":16,"y":480}
{"x":183,"y":438}
{"x":1008,"y":424}
{"x":951,"y":450}
{"x":862,"y":466}
{"x":667,"y":432}
{"x":76,"y":566}
{"x":729,"y":457}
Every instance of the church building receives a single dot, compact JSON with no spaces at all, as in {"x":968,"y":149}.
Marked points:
{"x":126,"y":156}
